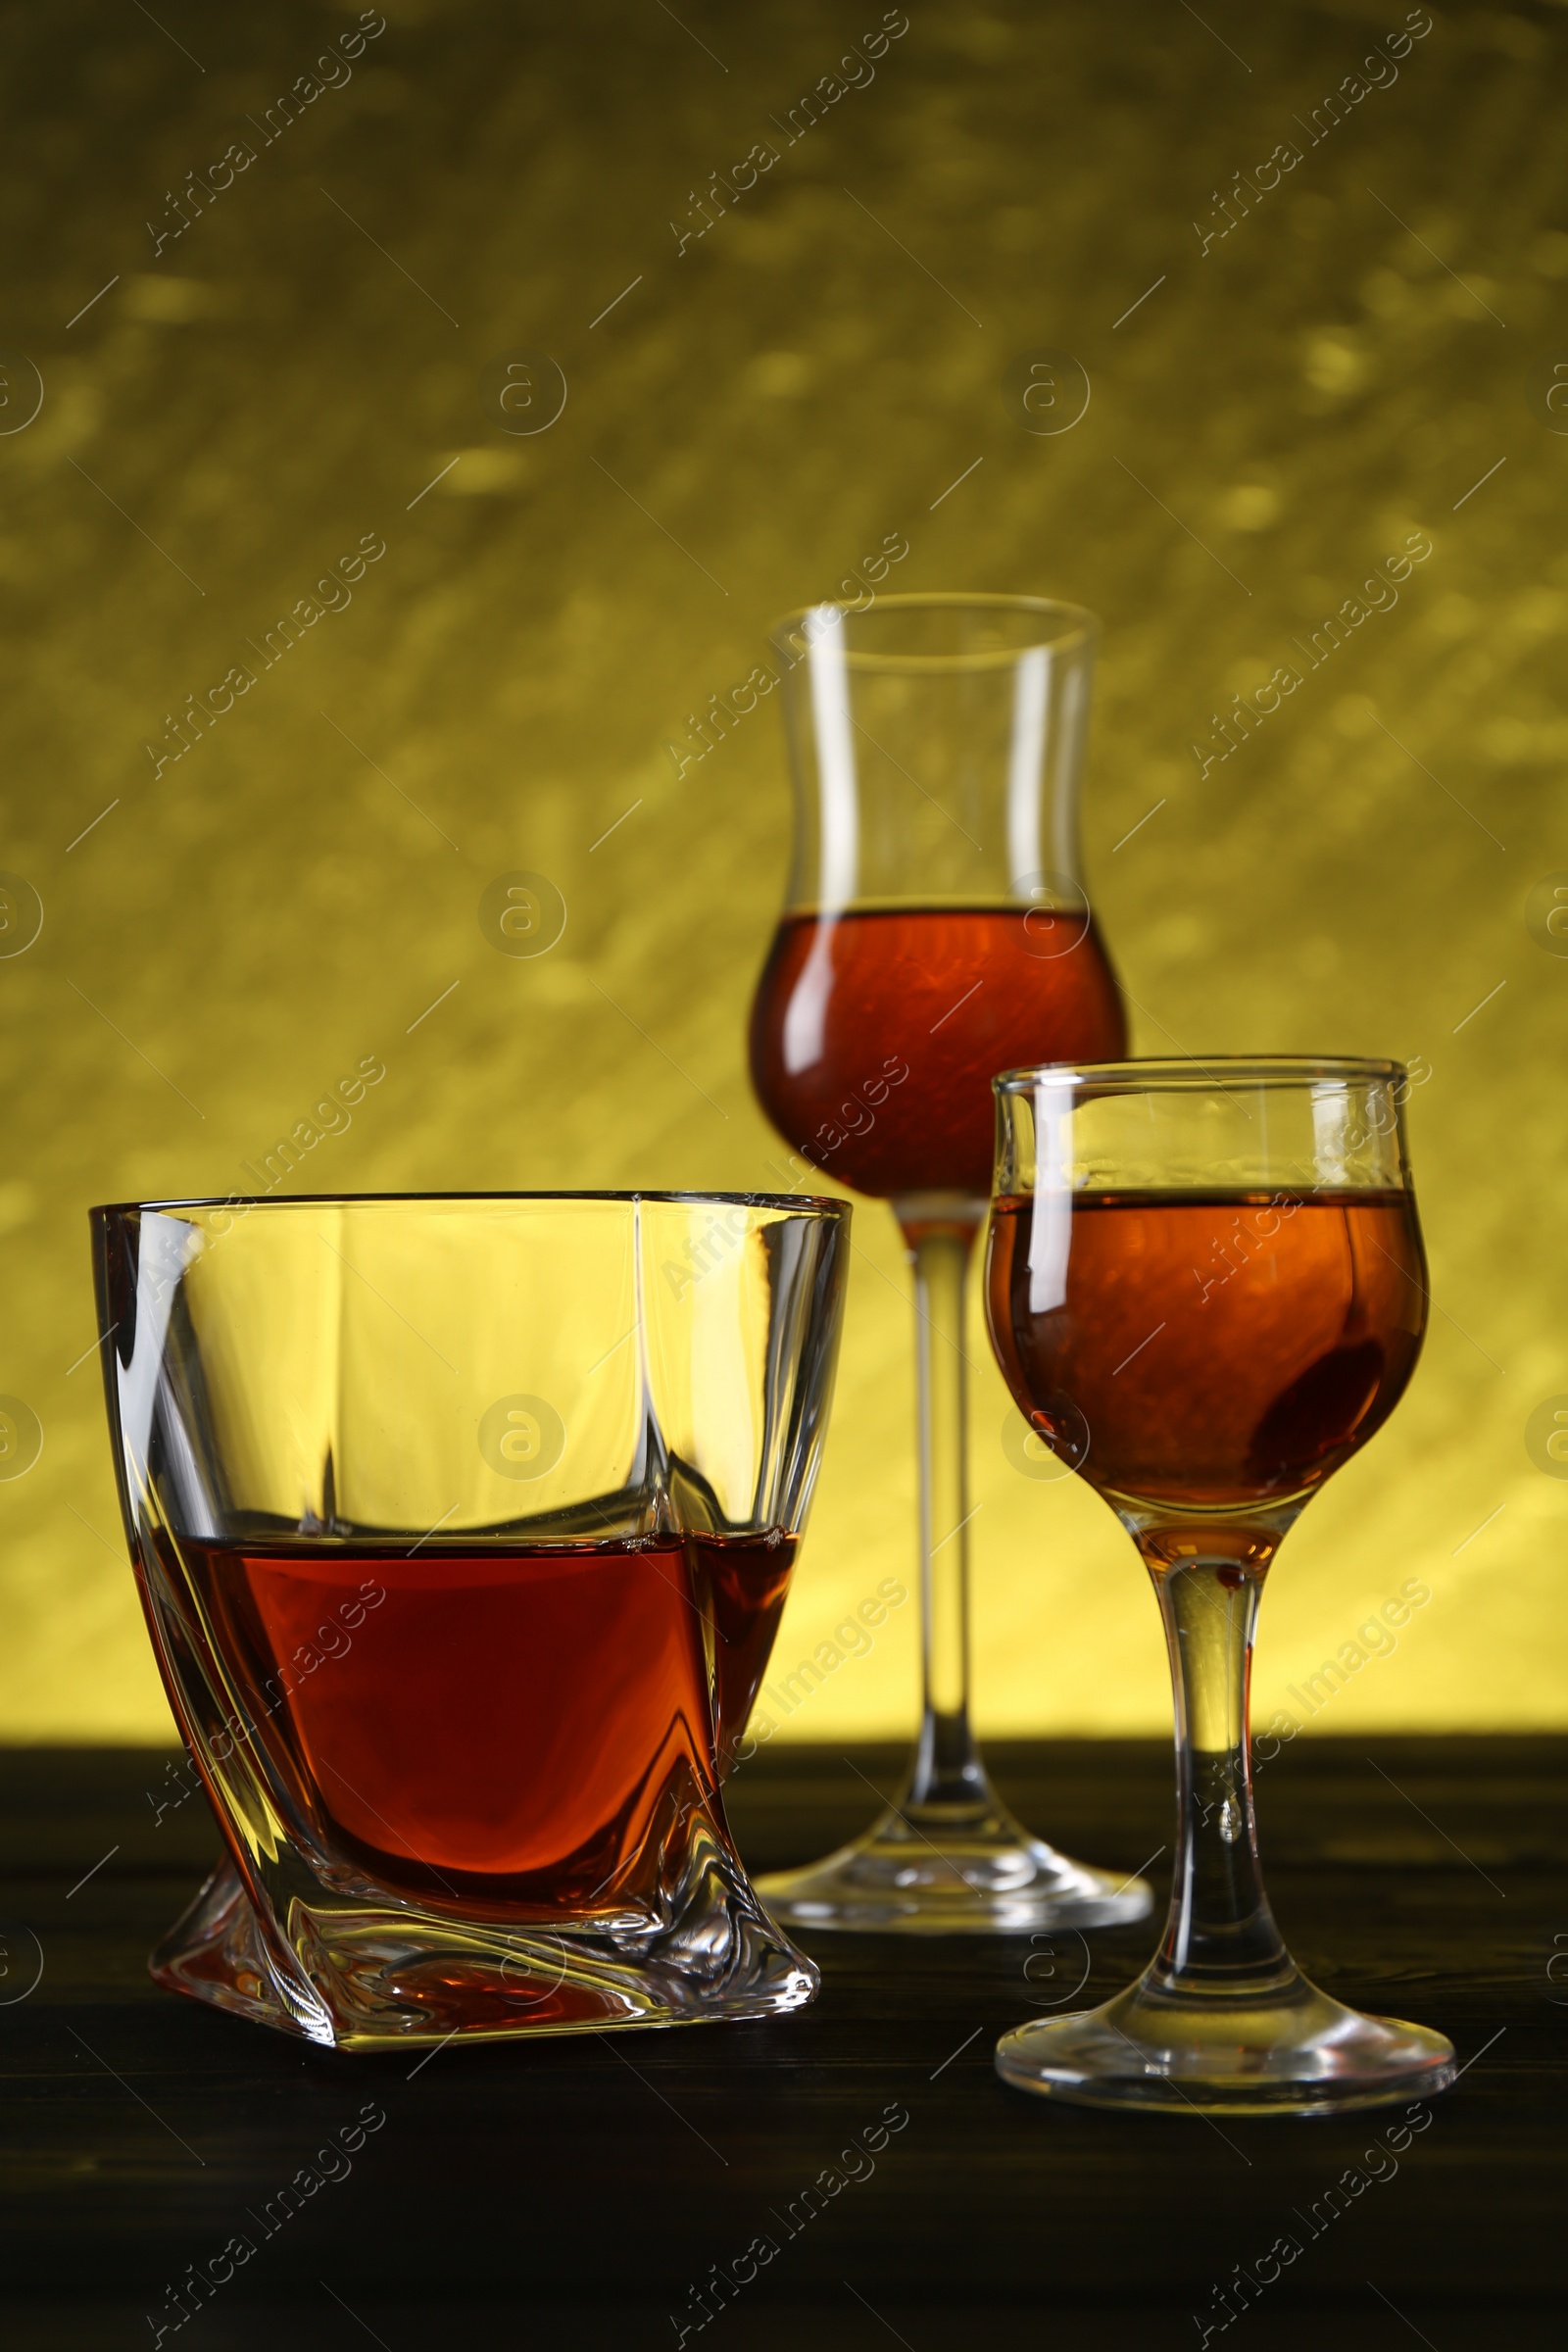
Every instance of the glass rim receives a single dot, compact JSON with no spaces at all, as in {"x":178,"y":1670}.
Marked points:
{"x":1218,"y":1073}
{"x":1084,"y":631}
{"x":823,"y":1203}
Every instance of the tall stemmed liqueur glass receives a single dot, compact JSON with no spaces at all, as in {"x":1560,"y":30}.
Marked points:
{"x":935,"y":930}
{"x":1206,"y":1288}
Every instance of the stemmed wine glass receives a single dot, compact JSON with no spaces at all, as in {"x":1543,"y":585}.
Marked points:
{"x":935,"y":930}
{"x":1206,"y":1288}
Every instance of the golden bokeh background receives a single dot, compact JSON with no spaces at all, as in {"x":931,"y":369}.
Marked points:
{"x":1365,"y":353}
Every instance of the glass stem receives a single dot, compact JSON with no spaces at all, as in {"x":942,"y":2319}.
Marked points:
{"x":946,"y":1776}
{"x":1220,"y":1934}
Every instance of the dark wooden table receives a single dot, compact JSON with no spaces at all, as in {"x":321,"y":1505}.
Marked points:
{"x":578,"y":2191}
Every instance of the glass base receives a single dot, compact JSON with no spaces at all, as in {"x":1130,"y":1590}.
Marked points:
{"x":1281,"y":2049}
{"x":374,"y":1975}
{"x":950,"y":1870}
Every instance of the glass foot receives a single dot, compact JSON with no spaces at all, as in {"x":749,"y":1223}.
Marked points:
{"x":1284,"y":2048}
{"x":368,"y":1976}
{"x":950,"y":1870}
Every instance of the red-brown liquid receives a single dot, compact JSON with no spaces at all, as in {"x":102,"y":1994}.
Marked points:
{"x":496,"y":1723}
{"x":1212,"y":1348}
{"x":876,"y":1036}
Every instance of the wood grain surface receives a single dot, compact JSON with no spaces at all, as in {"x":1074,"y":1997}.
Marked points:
{"x":578,"y":2191}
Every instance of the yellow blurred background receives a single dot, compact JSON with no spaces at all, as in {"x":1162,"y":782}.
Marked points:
{"x":1293,"y":366}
